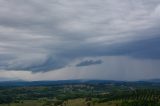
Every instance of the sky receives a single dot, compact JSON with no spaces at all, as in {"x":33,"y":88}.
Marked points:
{"x":79,"y":39}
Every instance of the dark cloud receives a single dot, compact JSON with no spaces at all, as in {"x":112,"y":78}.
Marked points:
{"x":40,"y":36}
{"x":89,"y":62}
{"x":140,"y":49}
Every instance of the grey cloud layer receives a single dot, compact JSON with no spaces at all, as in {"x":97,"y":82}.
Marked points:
{"x":40,"y":35}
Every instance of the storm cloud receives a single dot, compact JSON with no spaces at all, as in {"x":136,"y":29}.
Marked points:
{"x":42,"y":36}
{"x":89,"y":62}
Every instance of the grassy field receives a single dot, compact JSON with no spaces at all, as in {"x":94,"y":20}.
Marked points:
{"x":76,"y":102}
{"x":109,"y":94}
{"x":25,"y":103}
{"x":81,"y":102}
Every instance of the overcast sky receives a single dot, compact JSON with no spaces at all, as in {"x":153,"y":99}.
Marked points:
{"x":79,"y":39}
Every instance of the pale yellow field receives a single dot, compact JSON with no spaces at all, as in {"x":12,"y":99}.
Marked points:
{"x":81,"y":102}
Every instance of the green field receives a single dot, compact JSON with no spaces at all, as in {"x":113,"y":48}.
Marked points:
{"x":75,"y":102}
{"x":25,"y":103}
{"x":82,"y":94}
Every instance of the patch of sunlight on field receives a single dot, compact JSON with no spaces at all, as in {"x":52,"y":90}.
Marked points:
{"x":81,"y":102}
{"x":76,"y":102}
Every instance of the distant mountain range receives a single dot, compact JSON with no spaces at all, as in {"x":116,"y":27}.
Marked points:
{"x":153,"y":80}
{"x":18,"y":82}
{"x":3,"y":79}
